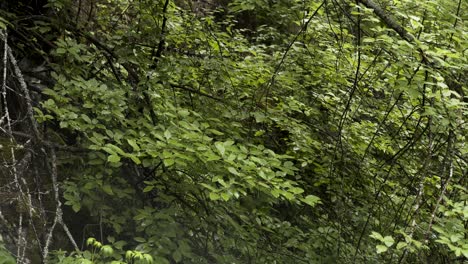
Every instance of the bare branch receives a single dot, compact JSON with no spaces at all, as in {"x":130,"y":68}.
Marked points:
{"x":58,"y":211}
{"x":24,"y":88}
{"x":388,"y":19}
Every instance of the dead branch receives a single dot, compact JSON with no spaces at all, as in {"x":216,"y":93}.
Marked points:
{"x":58,"y":212}
{"x":24,"y":88}
{"x":388,"y":20}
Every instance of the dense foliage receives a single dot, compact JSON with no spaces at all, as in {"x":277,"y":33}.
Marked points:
{"x":243,"y":131}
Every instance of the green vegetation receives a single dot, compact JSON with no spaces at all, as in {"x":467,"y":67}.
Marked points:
{"x":242,"y":131}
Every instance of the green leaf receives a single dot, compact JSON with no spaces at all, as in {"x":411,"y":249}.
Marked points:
{"x":381,"y":249}
{"x":76,"y":207}
{"x":129,"y":255}
{"x":214,"y":196}
{"x":401,"y":245}
{"x":233,"y":171}
{"x":3,"y":23}
{"x":311,"y":200}
{"x":107,"y":250}
{"x":288,"y":195}
{"x":168,"y":162}
{"x":377,"y":236}
{"x":456,"y":237}
{"x":464,"y":251}
{"x":114,"y":149}
{"x":90,"y":241}
{"x":177,"y":256}
{"x":209,"y":187}
{"x":148,"y":258}
{"x":211,"y":156}
{"x":107,"y":189}
{"x":215,"y":132}
{"x":89,"y":185}
{"x":113,"y":158}
{"x":220,"y":147}
{"x":275,"y":192}
{"x":167,"y":134}
{"x":139,"y":239}
{"x":388,"y":241}
{"x":259,"y":133}
{"x":134,"y":159}
{"x":160,"y":260}
{"x":225,"y":196}
{"x":296,"y":190}
{"x":134,"y":145}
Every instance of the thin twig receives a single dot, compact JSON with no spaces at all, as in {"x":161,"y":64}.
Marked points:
{"x":162,"y":41}
{"x":27,"y":97}
{"x":58,"y":212}
{"x":19,"y":244}
{"x":271,"y":82}
{"x":57,"y":197}
{"x":444,"y":186}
